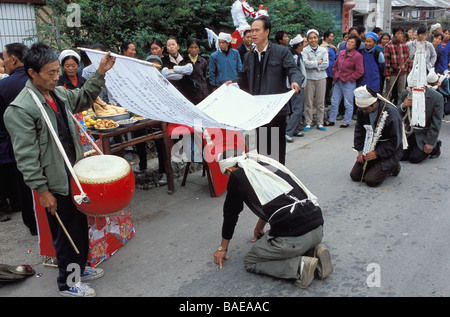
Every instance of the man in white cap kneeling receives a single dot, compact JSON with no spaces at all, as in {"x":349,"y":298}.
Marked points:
{"x":291,"y":249}
{"x":378,"y":138}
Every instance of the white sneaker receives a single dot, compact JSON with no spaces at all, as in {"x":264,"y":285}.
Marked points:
{"x":91,"y":273}
{"x":79,"y":290}
{"x":308,"y":266}
{"x":163,"y":180}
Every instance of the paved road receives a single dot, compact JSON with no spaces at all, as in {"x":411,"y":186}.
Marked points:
{"x":387,"y":241}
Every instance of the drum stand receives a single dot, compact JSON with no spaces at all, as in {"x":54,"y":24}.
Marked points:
{"x":49,"y":261}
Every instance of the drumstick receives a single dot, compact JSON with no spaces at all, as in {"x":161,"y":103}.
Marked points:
{"x":67,"y":234}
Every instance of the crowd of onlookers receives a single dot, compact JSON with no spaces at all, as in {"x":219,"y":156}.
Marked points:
{"x":331,"y":73}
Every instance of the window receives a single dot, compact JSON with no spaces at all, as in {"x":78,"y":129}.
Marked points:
{"x":17,"y":22}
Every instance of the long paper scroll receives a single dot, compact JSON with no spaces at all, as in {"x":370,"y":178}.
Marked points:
{"x":141,"y":88}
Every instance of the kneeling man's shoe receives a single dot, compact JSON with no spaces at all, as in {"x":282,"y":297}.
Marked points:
{"x":324,"y":265}
{"x":437,"y":150}
{"x":396,"y":170}
{"x":308,"y":266}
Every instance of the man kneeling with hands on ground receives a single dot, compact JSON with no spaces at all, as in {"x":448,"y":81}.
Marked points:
{"x":291,"y":248}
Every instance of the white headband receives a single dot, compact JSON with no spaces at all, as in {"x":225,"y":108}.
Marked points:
{"x":66,"y":53}
{"x":312,"y":31}
{"x":225,"y":37}
{"x":364,"y":99}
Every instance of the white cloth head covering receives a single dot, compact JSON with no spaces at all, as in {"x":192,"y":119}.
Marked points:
{"x":296,"y":40}
{"x":312,"y":31}
{"x":66,"y":53}
{"x":260,"y":177}
{"x":363,"y":98}
{"x":435,"y":27}
{"x":225,"y":37}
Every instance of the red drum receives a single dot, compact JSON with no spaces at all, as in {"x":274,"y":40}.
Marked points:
{"x":107,"y":180}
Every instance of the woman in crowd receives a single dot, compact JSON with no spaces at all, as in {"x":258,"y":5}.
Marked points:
{"x":70,"y":78}
{"x":446,"y":35}
{"x":349,"y":66}
{"x":128,"y":49}
{"x":384,"y":39}
{"x":199,"y":74}
{"x":157,"y":48}
{"x":297,"y":100}
{"x":328,"y":38}
{"x":316,"y":63}
{"x":176,"y":68}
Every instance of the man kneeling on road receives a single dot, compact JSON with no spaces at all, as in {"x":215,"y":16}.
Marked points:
{"x":291,"y":249}
{"x":383,"y":160}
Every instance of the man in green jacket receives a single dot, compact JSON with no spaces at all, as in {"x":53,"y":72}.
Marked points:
{"x":41,"y":163}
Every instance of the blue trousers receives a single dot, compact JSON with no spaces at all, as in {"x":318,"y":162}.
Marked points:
{"x":342,"y":90}
{"x":295,"y":118}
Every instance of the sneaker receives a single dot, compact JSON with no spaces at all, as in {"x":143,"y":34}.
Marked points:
{"x":354,"y":117}
{"x":91,"y":273}
{"x":79,"y":290}
{"x":324,"y":265}
{"x":4,"y":217}
{"x":307,"y":128}
{"x":308,"y":266}
{"x":138,"y":170}
{"x":299,"y":134}
{"x":289,"y":139}
{"x":321,"y":127}
{"x":340,"y":117}
{"x":163,"y":180}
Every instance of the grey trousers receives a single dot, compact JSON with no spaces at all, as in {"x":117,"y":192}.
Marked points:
{"x":280,"y":257}
{"x":295,"y":118}
{"x":401,"y":84}
{"x":315,"y":97}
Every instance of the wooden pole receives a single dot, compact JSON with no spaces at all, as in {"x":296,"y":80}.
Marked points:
{"x":67,"y":233}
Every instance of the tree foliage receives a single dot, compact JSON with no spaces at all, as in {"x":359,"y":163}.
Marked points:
{"x":112,"y":22}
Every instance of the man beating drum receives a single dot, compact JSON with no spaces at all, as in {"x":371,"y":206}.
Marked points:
{"x":41,"y":163}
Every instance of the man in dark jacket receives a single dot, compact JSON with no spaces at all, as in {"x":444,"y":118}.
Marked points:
{"x":291,"y":249}
{"x":384,"y":155}
{"x":264,"y":72}
{"x":12,"y":185}
{"x":246,"y":45}
{"x":423,"y":142}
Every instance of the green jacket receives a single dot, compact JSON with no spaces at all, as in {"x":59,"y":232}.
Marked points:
{"x":35,"y":151}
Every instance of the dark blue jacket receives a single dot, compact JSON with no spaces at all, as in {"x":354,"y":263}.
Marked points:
{"x":9,"y":89}
{"x":373,"y":68}
{"x":444,"y":60}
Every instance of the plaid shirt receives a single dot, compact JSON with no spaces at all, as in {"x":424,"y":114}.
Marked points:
{"x":395,"y":55}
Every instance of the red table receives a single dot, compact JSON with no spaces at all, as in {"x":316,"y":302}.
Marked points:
{"x":153,"y":130}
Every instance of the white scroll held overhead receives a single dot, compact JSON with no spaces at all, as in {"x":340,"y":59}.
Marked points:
{"x":140,"y":88}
